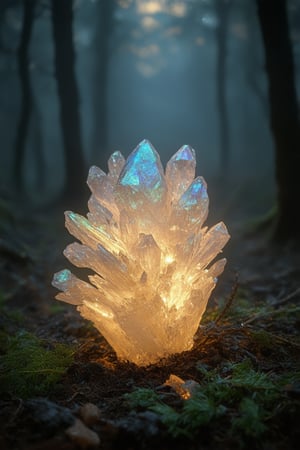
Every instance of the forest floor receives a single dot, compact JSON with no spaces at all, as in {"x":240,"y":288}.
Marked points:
{"x":57,"y":372}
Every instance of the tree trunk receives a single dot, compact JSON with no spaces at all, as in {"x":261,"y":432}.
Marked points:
{"x":222,"y":8}
{"x":283,"y":114}
{"x":104,"y":25}
{"x":38,"y":148}
{"x":62,"y":26}
{"x":26,"y":92}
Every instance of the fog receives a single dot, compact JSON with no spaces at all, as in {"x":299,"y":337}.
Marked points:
{"x":161,"y":74}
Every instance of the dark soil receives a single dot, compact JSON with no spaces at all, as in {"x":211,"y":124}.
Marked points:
{"x":257,"y":296}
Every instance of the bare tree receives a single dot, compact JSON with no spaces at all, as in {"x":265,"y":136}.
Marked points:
{"x":252,"y":62}
{"x":222,"y":8}
{"x":100,"y":85}
{"x":62,"y":26}
{"x":284,"y":114}
{"x":38,"y":146}
{"x":26,"y":91}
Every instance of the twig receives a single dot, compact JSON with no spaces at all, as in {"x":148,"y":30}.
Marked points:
{"x":277,"y":337}
{"x":285,"y":340}
{"x":226,"y":307}
{"x":70,"y":399}
{"x":229,"y":300}
{"x":288,"y":297}
{"x":264,"y":315}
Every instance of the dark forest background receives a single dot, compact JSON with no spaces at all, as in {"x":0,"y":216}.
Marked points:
{"x":81,"y":79}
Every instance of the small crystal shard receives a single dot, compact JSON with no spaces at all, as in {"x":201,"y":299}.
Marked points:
{"x":185,"y":389}
{"x":115,"y":165}
{"x":180,"y":171}
{"x":151,"y":256}
{"x":193,"y":204}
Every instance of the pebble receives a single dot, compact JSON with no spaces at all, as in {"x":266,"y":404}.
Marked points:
{"x":90,"y":413}
{"x":82,"y":436}
{"x":47,"y":416}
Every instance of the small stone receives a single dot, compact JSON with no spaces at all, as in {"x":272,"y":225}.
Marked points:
{"x":184,"y":389}
{"x":47,"y":416}
{"x":140,"y":425}
{"x":90,"y":413}
{"x":82,"y":436}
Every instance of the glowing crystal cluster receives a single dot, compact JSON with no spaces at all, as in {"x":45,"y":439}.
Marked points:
{"x":151,"y":256}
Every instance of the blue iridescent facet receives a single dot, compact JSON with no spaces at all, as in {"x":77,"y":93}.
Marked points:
{"x":143,"y":172}
{"x":194,"y":194}
{"x":185,"y":153}
{"x":63,"y":276}
{"x":62,"y":279}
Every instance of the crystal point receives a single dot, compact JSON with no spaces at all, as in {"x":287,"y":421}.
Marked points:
{"x":115,"y":164}
{"x":143,"y":172}
{"x":180,"y":171}
{"x":144,"y":240}
{"x":194,"y":196}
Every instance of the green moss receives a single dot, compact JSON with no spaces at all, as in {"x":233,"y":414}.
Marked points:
{"x":243,"y":309}
{"x":289,"y":378}
{"x":142,"y":398}
{"x":56,"y":308}
{"x":243,"y":403}
{"x":234,"y":397}
{"x":171,"y":419}
{"x":240,"y":309}
{"x":198,"y":411}
{"x":250,"y":420}
{"x":263,"y":339}
{"x":28,"y":367}
{"x":244,"y":376}
{"x":237,"y":392}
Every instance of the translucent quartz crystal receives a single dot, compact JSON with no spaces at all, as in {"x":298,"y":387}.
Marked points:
{"x":144,"y":240}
